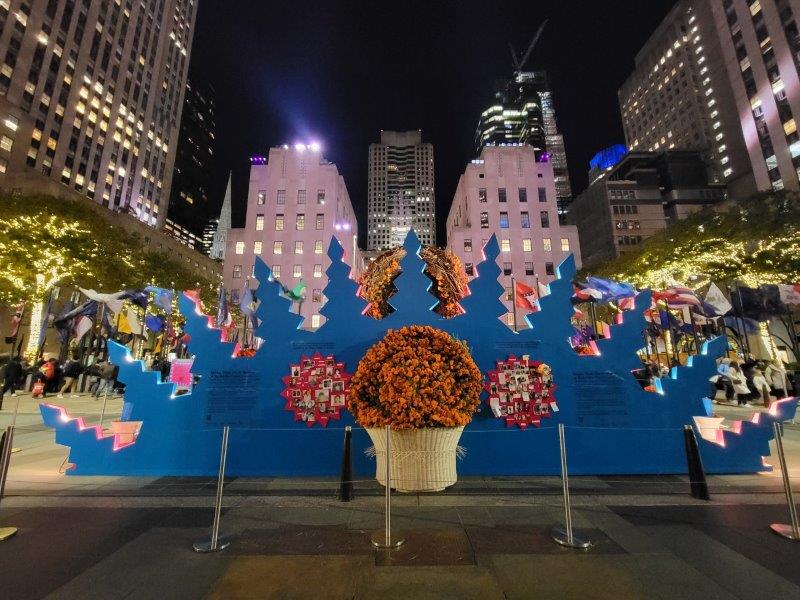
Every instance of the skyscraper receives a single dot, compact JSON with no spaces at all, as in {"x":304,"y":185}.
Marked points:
{"x":296,"y":203}
{"x":219,"y":240}
{"x":523,"y":113}
{"x":400,"y":192}
{"x":509,"y":193}
{"x":189,"y":199}
{"x":91,"y":94}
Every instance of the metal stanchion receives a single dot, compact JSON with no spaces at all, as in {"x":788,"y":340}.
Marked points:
{"x":564,"y":534}
{"x":384,"y":539}
{"x":791,"y":531}
{"x":5,"y":459}
{"x":105,"y":403}
{"x":217,"y":542}
{"x":14,"y":450}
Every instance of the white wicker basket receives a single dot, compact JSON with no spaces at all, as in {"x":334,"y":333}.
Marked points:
{"x":423,"y":460}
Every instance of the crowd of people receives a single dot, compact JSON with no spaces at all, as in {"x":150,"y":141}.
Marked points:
{"x":750,"y":381}
{"x":51,"y":377}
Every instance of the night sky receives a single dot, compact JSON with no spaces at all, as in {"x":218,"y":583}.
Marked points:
{"x":340,"y":71}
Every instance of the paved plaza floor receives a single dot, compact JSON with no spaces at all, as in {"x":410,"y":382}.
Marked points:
{"x":110,"y":537}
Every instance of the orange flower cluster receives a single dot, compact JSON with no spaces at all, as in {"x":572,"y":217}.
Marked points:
{"x":416,"y":377}
{"x":442,"y":266}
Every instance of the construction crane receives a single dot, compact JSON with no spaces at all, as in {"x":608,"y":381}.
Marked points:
{"x":520,"y":63}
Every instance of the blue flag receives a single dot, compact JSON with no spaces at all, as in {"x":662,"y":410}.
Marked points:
{"x":162,"y":297}
{"x":138,"y":297}
{"x":155,"y":323}
{"x":611,"y":290}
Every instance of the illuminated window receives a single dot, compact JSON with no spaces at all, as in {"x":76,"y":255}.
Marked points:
{"x":256,"y":247}
{"x":237,"y":271}
{"x":300,"y":222}
{"x":298,"y":247}
{"x":297,"y":271}
{"x":318,"y":247}
{"x":317,"y":271}
{"x":259,"y":222}
{"x":3,"y":165}
{"x":6,"y":143}
{"x":565,"y":244}
{"x":505,"y":245}
{"x":278,"y":222}
{"x":547,"y":245}
{"x":262,"y":197}
{"x":467,"y":245}
{"x":277,"y":247}
{"x":503,"y":220}
{"x":276,"y":271}
{"x":320,"y":224}
{"x":315,"y":321}
{"x":239,"y":247}
{"x":526,"y":244}
{"x":320,"y":196}
{"x":316,"y":296}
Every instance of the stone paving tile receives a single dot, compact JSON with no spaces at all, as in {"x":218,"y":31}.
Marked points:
{"x":292,"y":577}
{"x":317,"y":540}
{"x":429,"y":548}
{"x":525,"y":539}
{"x":430,"y":583}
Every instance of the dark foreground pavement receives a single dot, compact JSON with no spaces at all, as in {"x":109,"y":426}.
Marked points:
{"x":302,"y":547}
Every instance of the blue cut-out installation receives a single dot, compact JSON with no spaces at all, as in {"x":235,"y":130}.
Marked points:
{"x":613,"y":425}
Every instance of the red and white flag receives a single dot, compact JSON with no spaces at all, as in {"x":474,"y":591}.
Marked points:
{"x":521,"y":294}
{"x":16,"y":319}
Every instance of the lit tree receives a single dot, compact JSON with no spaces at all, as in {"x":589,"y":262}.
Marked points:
{"x":47,"y":242}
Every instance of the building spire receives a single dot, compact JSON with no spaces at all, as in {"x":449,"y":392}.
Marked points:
{"x":223,"y":226}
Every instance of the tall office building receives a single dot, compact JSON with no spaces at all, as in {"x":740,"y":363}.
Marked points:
{"x":523,"y":113}
{"x":761,"y":51}
{"x":721,"y":77}
{"x":219,"y":240}
{"x":296,"y":203}
{"x":91,"y":94}
{"x":400,"y":192}
{"x":508,"y":192}
{"x":191,"y":182}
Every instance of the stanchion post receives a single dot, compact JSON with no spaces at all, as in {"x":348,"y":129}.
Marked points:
{"x":792,"y":530}
{"x":698,"y":485}
{"x":217,"y":542}
{"x":346,"y":485}
{"x":5,"y":459}
{"x":105,"y":403}
{"x":384,"y":539}
{"x":564,"y":535}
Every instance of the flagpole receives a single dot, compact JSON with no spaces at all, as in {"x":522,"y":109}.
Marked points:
{"x":744,"y":323}
{"x":514,"y":300}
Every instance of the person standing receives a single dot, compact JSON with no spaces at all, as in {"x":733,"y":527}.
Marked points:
{"x":72,"y":370}
{"x":762,"y":387}
{"x":739,"y":383}
{"x":776,"y":377}
{"x":105,"y":371}
{"x":12,"y":375}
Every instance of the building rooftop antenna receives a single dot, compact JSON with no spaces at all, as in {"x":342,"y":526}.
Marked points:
{"x":520,"y":63}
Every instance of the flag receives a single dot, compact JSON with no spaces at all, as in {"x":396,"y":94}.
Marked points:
{"x":677,"y":297}
{"x":112,"y":301}
{"x":139,"y":297}
{"x":154,"y":323}
{"x":735,"y":323}
{"x":583,"y":293}
{"x":133,"y":321}
{"x":63,"y":333}
{"x":162,"y":297}
{"x":749,"y":302}
{"x":627,"y":303}
{"x":789,"y":293}
{"x":247,"y":305}
{"x":16,"y":319}
{"x":122,"y":324}
{"x":717,"y":300}
{"x":521,"y":294}
{"x":82,"y":326}
{"x":610,"y":290}
{"x":67,"y":322}
{"x":544,"y":289}
{"x":296,"y":293}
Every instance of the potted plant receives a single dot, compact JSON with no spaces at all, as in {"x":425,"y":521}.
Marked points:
{"x":424,"y":385}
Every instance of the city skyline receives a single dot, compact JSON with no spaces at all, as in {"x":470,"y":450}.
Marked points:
{"x":288,"y":92}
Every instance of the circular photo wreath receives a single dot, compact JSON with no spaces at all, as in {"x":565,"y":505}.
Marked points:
{"x":521,"y":391}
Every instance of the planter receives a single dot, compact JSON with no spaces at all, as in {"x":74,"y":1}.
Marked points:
{"x":423,"y":460}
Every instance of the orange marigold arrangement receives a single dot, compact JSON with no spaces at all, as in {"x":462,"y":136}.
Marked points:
{"x":442,"y":266}
{"x":416,"y":377}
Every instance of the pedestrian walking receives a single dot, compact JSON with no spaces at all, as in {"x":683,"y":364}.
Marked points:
{"x":739,"y":383}
{"x":105,"y":371}
{"x":11,"y":377}
{"x":776,"y":377}
{"x":72,"y":370}
{"x":761,"y":386}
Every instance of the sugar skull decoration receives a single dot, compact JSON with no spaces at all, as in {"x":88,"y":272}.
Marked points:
{"x":520,"y":391}
{"x":316,"y":389}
